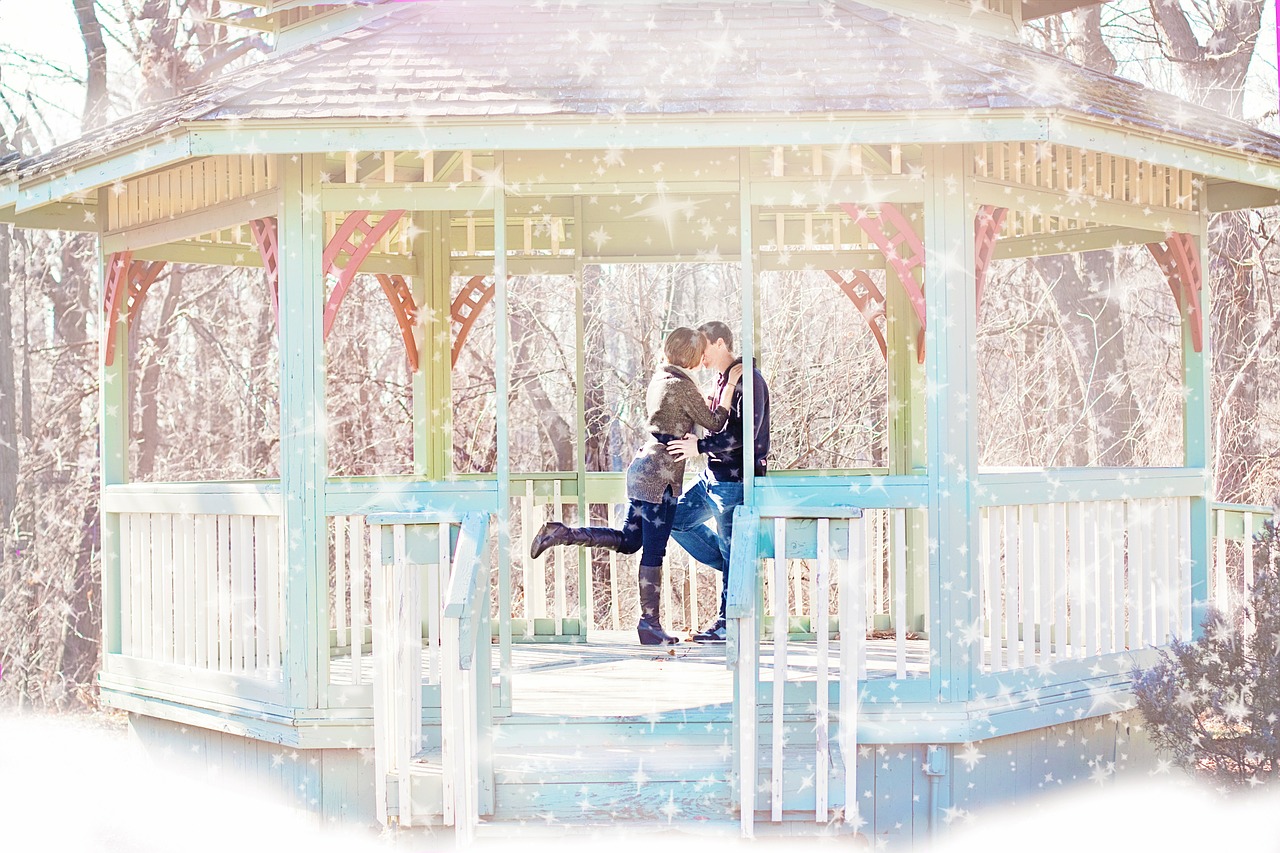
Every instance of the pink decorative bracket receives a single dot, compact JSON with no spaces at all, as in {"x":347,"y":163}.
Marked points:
{"x":903,"y":250}
{"x":868,"y":299}
{"x":401,"y":299}
{"x":343,"y":243}
{"x":986,"y":227}
{"x":124,"y":292}
{"x":1179,"y":260}
{"x":266,"y":234}
{"x":466,"y":308}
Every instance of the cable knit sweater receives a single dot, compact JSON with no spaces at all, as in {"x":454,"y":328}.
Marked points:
{"x":675,"y":406}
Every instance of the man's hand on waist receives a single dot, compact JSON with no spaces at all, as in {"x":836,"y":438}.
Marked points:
{"x":685,"y":448}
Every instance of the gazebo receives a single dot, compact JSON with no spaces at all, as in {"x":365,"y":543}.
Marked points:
{"x":888,"y":627}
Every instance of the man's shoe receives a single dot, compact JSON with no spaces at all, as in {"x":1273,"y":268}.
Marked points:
{"x":715,"y":634}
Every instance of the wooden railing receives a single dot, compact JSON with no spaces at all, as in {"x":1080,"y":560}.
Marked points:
{"x":197,"y":572}
{"x":810,"y":581}
{"x":1234,"y":551}
{"x":456,"y":549}
{"x":1062,"y":578}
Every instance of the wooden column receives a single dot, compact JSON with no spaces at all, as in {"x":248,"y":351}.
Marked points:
{"x":908,"y":433}
{"x":750,"y":325}
{"x":433,"y":383}
{"x":303,"y":442}
{"x":952,"y":376}
{"x":502,"y":374}
{"x":114,"y":451}
{"x":586,"y":590}
{"x":1196,"y":434}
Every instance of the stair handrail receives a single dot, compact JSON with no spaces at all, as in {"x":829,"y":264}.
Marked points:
{"x":465,"y":636}
{"x":742,"y":655}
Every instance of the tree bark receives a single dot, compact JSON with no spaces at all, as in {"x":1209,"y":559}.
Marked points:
{"x":150,"y":435}
{"x":95,"y":52}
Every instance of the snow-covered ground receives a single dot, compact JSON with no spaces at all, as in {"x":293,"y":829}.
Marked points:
{"x":74,"y":784}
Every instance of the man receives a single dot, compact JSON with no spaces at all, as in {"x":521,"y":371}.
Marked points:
{"x":719,"y":491}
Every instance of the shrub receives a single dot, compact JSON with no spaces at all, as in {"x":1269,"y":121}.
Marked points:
{"x":1214,"y":704}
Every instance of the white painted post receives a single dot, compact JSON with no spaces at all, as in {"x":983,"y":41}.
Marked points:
{"x":1247,"y":556}
{"x":562,"y":598}
{"x":382,"y":676}
{"x":1060,"y":581}
{"x":340,"y":579}
{"x":781,"y":611}
{"x":820,"y":615}
{"x":615,"y":614}
{"x":1221,"y":589}
{"x":999,"y":626}
{"x":900,"y":591}
{"x":852,"y":659}
{"x":358,"y":564}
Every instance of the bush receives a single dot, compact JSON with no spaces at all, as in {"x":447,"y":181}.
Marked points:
{"x":1214,"y":704}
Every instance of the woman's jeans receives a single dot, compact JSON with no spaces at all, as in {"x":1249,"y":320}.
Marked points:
{"x":648,"y":528}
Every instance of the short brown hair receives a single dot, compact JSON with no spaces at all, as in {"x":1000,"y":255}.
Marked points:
{"x":684,"y":346}
{"x":717,"y":331}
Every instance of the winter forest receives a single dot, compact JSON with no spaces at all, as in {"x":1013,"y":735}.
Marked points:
{"x":1079,"y":359}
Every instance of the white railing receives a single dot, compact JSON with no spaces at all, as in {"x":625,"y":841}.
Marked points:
{"x":1234,"y":551}
{"x":1076,"y":579}
{"x":807,"y":592}
{"x":203,"y":591}
{"x":422,"y":545}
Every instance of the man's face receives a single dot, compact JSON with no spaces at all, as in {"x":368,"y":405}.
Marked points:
{"x":717,"y":356}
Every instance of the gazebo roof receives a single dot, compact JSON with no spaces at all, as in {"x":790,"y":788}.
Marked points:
{"x":425,"y":62}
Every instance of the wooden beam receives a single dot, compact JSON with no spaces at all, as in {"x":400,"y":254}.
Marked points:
{"x":406,"y":196}
{"x":56,"y":216}
{"x":867,"y":189}
{"x":1079,"y":240}
{"x":1228,"y":195}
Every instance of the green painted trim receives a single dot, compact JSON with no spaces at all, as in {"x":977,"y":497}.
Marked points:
{"x":303,"y":442}
{"x":1232,"y":526}
{"x":113,"y":452}
{"x":823,"y":192}
{"x":1080,"y":240}
{"x":217,"y":217}
{"x":420,"y":381}
{"x":1058,"y":485}
{"x":407,"y":196}
{"x":749,"y":331}
{"x":367,"y":498}
{"x":586,"y":588}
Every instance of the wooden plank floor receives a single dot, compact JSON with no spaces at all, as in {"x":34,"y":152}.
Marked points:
{"x":613,"y":676}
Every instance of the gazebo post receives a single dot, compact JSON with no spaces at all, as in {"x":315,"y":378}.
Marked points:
{"x":432,"y":383}
{"x":303,"y":440}
{"x":1196,"y":440}
{"x":114,"y":450}
{"x":502,"y":374}
{"x":907,"y":433}
{"x":952,"y":375}
{"x":586,"y":589}
{"x":747,"y":273}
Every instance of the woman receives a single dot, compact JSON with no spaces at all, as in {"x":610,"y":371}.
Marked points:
{"x":655,"y":477}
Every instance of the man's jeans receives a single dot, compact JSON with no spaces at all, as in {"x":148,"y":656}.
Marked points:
{"x":707,"y":501}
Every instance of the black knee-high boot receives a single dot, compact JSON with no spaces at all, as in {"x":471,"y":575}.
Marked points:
{"x":554,"y":533}
{"x":650,"y":629}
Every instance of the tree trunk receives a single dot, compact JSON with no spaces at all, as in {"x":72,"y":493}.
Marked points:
{"x":1095,"y":332}
{"x":8,"y":394}
{"x":149,"y":433}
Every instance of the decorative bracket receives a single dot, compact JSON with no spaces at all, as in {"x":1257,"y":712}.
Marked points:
{"x":466,"y":308}
{"x":903,"y":250}
{"x":1179,"y":260}
{"x":986,"y":228}
{"x":401,"y":299}
{"x":124,"y":291}
{"x":343,"y":242}
{"x":266,"y":234}
{"x":868,"y":299}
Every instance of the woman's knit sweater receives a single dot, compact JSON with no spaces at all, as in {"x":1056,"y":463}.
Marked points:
{"x":675,"y":406}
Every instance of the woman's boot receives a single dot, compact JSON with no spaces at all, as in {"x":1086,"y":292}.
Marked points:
{"x":554,"y":533}
{"x":650,"y":629}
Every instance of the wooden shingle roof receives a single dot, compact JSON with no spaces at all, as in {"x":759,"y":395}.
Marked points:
{"x":752,"y":57}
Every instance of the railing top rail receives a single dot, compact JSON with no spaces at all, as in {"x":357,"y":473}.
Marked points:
{"x":258,"y":487}
{"x":1256,"y":509}
{"x":467,"y":596}
{"x":418,"y":517}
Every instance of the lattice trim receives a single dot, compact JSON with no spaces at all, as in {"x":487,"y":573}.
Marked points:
{"x":355,"y":226}
{"x":401,"y":299}
{"x":466,"y":309}
{"x":266,"y":235}
{"x":903,"y":250}
{"x":868,"y":299}
{"x":124,"y":291}
{"x":1179,"y":260}
{"x":986,"y":227}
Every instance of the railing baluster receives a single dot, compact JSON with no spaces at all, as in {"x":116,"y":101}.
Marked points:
{"x":272,"y":623}
{"x":358,"y":622}
{"x":1027,"y":564}
{"x":853,"y":662}
{"x":900,"y":591}
{"x":995,"y":539}
{"x":1183,"y":509}
{"x":1060,"y":581}
{"x":1221,"y":590}
{"x":562,"y":597}
{"x":1012,"y":588}
{"x":780,"y":626}
{"x":820,"y":617}
{"x":1136,"y":567}
{"x":615,"y":612}
{"x":384,"y":700}
{"x":1044,"y":582}
{"x":261,"y":549}
{"x":1106,"y":577}
{"x":340,"y":580}
{"x":1247,"y":557}
{"x":528,"y":567}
